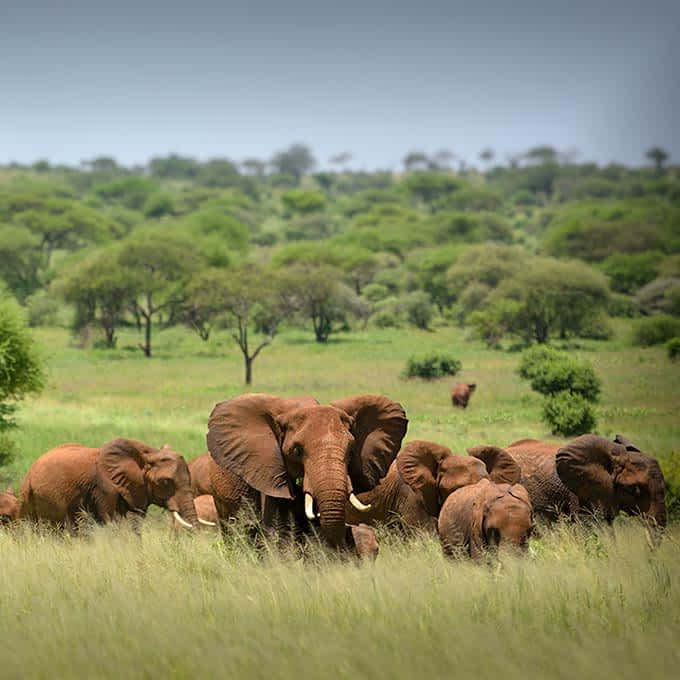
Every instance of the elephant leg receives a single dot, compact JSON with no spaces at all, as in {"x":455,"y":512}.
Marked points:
{"x":361,"y":539}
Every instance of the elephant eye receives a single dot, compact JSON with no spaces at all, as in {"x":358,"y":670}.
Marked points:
{"x":297,"y":451}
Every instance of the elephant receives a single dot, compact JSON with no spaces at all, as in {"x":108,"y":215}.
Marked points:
{"x":591,"y":474}
{"x":461,"y":393}
{"x":9,"y":506}
{"x":420,"y":479}
{"x":122,"y":477}
{"x":484,"y":516}
{"x":302,"y":460}
{"x":200,"y":471}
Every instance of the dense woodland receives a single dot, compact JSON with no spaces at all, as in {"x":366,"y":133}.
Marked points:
{"x":537,"y":247}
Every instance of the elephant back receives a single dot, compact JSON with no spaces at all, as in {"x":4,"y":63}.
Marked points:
{"x":549,"y":496}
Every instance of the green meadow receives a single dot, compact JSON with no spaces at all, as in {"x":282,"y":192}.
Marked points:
{"x":116,"y":604}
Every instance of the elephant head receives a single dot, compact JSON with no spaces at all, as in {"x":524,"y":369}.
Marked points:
{"x":501,"y":466}
{"x":613,"y":476}
{"x":434,"y":472}
{"x":277,"y":445}
{"x":502,"y":518}
{"x":9,"y":506}
{"x":142,"y":475}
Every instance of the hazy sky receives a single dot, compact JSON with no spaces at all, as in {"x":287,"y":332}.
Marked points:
{"x":137,"y":78}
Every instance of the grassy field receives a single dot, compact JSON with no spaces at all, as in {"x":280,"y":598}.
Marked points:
{"x":115,"y":604}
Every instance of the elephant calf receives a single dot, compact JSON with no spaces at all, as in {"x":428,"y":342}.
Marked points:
{"x":420,"y":479}
{"x":461,"y":393}
{"x":9,"y":506}
{"x":122,"y":477}
{"x":485,"y":516}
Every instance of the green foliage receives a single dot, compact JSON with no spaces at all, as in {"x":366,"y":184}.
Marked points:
{"x":297,"y":160}
{"x":431,"y":366}
{"x":303,"y":202}
{"x":569,"y":414}
{"x":174,"y":166}
{"x":673,"y":348}
{"x":660,"y":295}
{"x":628,"y":272}
{"x":218,"y":173}
{"x":21,"y":367}
{"x":228,"y":230}
{"x":418,"y":309}
{"x":473,"y":199}
{"x":551,"y":372}
{"x":655,"y":330}
{"x":131,"y":192}
{"x":594,"y":230}
{"x":42,"y":309}
{"x":158,"y":205}
{"x":430,"y":186}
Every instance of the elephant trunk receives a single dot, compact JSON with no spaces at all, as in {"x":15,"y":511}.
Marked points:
{"x":327,"y":484}
{"x":657,"y":506}
{"x":183,"y":505}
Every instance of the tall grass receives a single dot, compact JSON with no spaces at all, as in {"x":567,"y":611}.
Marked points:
{"x":118,"y":604}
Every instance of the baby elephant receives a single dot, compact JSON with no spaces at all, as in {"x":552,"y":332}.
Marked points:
{"x":485,"y":515}
{"x":9,"y":506}
{"x":461,"y":393}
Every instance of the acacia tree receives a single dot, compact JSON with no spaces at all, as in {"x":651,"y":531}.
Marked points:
{"x":658,"y":156}
{"x":159,"y":268}
{"x":101,"y":291}
{"x":297,"y":160}
{"x":319,"y":294}
{"x":255,"y":302}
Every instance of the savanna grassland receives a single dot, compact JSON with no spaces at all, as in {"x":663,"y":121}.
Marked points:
{"x":116,"y":604}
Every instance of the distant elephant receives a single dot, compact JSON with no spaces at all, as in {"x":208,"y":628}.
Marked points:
{"x":421,"y":478}
{"x":485,"y":516}
{"x":122,"y":477}
{"x":9,"y":506}
{"x":461,"y":393}
{"x":304,"y":459}
{"x":591,"y":474}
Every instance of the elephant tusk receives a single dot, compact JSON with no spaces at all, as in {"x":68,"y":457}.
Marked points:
{"x":309,"y":506}
{"x":356,"y":503}
{"x":206,"y":522}
{"x":181,"y":521}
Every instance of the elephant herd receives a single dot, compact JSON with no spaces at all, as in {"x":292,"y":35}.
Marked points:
{"x":338,"y":469}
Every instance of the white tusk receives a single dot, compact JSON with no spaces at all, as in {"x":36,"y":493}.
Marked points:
{"x":180,"y":520}
{"x":206,"y":522}
{"x":309,"y":506}
{"x":356,"y":503}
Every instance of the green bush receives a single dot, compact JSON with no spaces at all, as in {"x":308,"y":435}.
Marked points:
{"x":42,"y":309}
{"x":655,"y":330}
{"x":384,"y":318}
{"x":622,"y":306}
{"x":551,"y":372}
{"x":418,"y":309}
{"x":431,"y":366}
{"x":630,"y":271}
{"x":568,"y":414}
{"x":158,"y":204}
{"x":673,"y":348}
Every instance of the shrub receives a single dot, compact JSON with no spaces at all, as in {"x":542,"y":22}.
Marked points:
{"x":630,"y":271}
{"x":42,"y":309}
{"x":418,"y":309}
{"x":551,"y":372}
{"x":673,"y":348}
{"x":375,"y":292}
{"x":158,"y":204}
{"x":660,"y":295}
{"x":384,"y":318}
{"x":568,"y":414}
{"x":431,"y":366}
{"x":655,"y":330}
{"x":622,"y":306}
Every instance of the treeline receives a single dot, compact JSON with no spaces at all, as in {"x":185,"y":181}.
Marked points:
{"x":538,"y":247}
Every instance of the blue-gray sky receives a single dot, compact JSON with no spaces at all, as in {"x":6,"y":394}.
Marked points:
{"x":79,"y":78}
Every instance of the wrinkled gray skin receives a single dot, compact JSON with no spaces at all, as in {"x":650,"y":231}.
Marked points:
{"x":590,"y":475}
{"x":485,"y":516}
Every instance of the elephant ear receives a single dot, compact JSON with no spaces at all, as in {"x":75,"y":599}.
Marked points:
{"x":122,"y":463}
{"x":501,"y":466}
{"x":418,"y":464}
{"x":586,"y":467}
{"x":620,"y":439}
{"x":379,"y":427}
{"x":244,"y":437}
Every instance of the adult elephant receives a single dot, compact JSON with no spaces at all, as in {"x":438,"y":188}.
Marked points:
{"x":305,"y":459}
{"x":9,"y":506}
{"x":484,"y":516}
{"x":591,"y":474}
{"x":121,"y":477}
{"x":421,"y":478}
